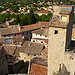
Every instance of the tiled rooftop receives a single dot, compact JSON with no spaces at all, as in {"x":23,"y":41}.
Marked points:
{"x":5,"y":31}
{"x":65,"y":12}
{"x":39,"y":61}
{"x":38,"y":70}
{"x":43,"y":11}
{"x":17,"y":51}
{"x":17,"y":40}
{"x":32,"y":48}
{"x":38,"y":24}
{"x":45,"y":51}
{"x":43,"y":31}
{"x":55,"y":22}
{"x":10,"y":49}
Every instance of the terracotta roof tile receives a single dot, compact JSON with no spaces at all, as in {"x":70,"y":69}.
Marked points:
{"x":39,"y":24}
{"x":10,"y":49}
{"x":55,"y":22}
{"x":38,"y":70}
{"x":5,"y":31}
{"x":38,"y":66}
{"x":43,"y":11}
{"x":65,"y":12}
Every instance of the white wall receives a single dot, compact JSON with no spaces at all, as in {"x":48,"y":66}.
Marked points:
{"x":38,"y":36}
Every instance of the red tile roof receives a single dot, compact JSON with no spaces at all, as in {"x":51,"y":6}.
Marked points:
{"x":38,"y":70}
{"x":43,"y":11}
{"x":10,"y":49}
{"x":38,"y":66}
{"x":39,"y":24}
{"x":65,"y":12}
{"x":5,"y":31}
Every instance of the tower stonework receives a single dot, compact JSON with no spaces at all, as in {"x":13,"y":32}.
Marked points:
{"x":60,"y":32}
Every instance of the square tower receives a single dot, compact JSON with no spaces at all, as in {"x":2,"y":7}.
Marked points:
{"x":60,"y":32}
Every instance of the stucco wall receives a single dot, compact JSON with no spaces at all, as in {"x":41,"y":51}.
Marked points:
{"x":56,"y":49}
{"x":38,"y":36}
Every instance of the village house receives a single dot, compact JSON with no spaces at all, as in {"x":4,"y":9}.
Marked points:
{"x":9,"y":33}
{"x":40,"y":36}
{"x":41,"y":12}
{"x":22,"y":9}
{"x":30,"y":50}
{"x":24,"y":31}
{"x":60,"y":32}
{"x":38,"y":66}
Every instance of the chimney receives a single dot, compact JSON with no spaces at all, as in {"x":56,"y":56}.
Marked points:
{"x":7,"y":23}
{"x":19,"y":27}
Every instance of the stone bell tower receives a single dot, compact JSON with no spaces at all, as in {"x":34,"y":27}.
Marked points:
{"x":60,"y":32}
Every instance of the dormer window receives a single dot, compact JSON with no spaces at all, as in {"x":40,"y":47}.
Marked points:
{"x":33,"y":40}
{"x":56,"y":32}
{"x":41,"y":41}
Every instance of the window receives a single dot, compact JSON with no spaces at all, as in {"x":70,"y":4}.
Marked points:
{"x":46,"y":36}
{"x":30,"y":32}
{"x":33,"y":40}
{"x":9,"y":35}
{"x":23,"y":33}
{"x":14,"y":34}
{"x":34,"y":54}
{"x":27,"y":33}
{"x":56,"y":32}
{"x":36,"y":41}
{"x":40,"y":35}
{"x":28,"y":54}
{"x":4,"y":36}
{"x":41,"y":41}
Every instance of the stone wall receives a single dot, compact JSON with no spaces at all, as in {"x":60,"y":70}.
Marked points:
{"x":56,"y":49}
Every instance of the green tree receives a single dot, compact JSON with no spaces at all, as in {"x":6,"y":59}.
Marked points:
{"x":37,"y":17}
{"x":15,"y":9}
{"x":24,"y":20}
{"x":31,"y":17}
{"x":17,"y":20}
{"x":43,"y":17}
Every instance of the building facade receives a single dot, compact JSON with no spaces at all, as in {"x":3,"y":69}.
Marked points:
{"x":60,"y":32}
